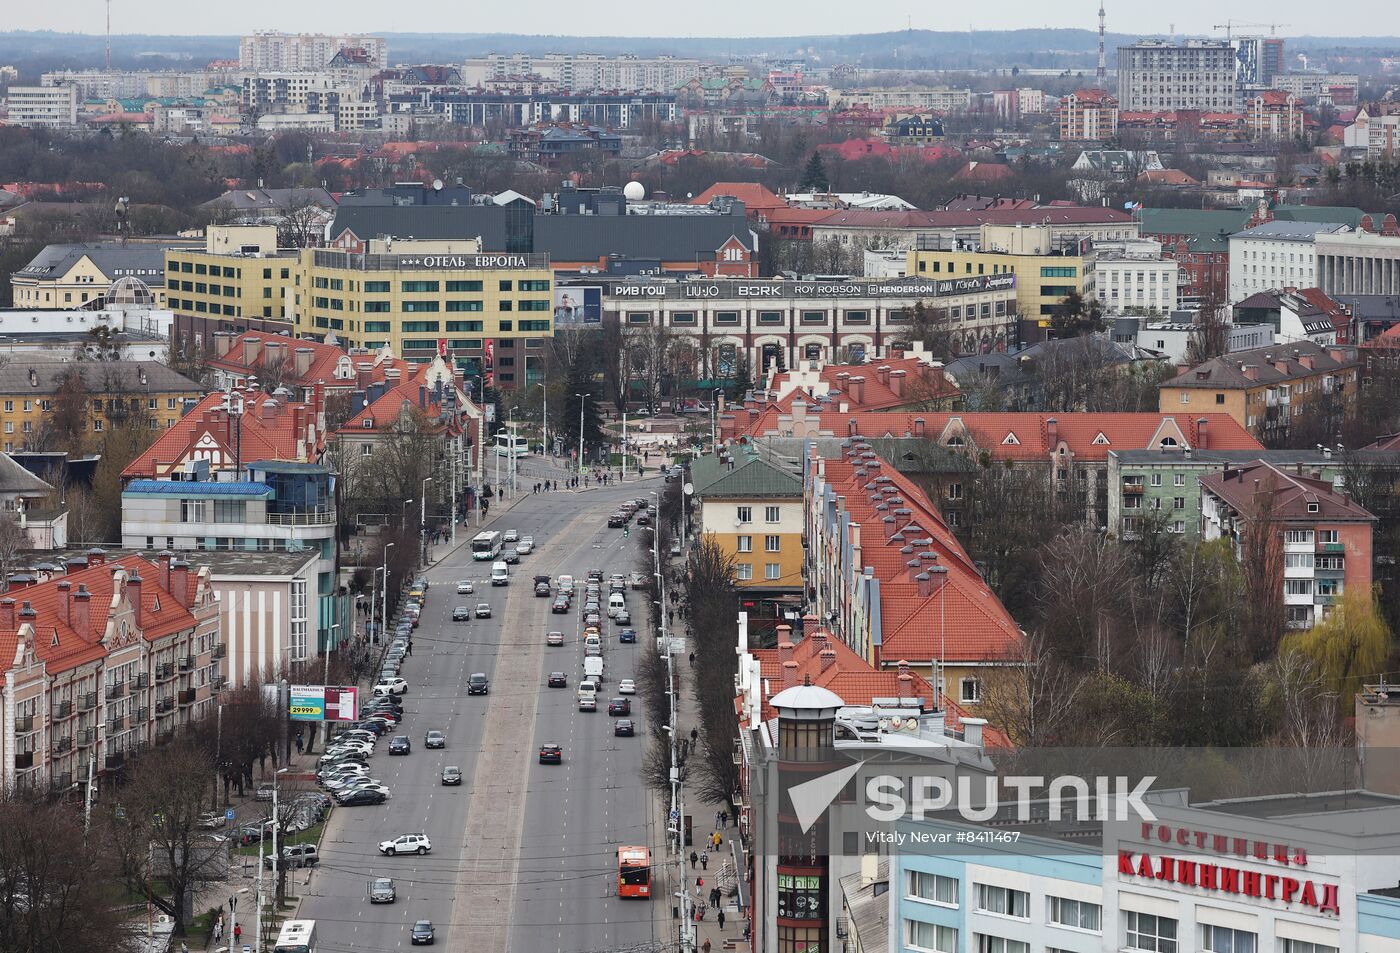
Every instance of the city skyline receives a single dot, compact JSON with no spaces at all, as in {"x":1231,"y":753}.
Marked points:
{"x":822,"y":18}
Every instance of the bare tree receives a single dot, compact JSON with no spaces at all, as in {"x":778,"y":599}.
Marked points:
{"x":1261,"y":563}
{"x":12,"y":542}
{"x":1031,"y":694}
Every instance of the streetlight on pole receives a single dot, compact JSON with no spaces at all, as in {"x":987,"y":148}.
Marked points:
{"x":581,"y":399}
{"x":384,"y":625}
{"x":544,"y":417}
{"x":423,"y":519}
{"x":326,"y":672}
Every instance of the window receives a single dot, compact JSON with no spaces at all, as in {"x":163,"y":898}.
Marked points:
{"x":771,"y":544}
{"x":857,"y":317}
{"x":1079,"y":914}
{"x":376,"y":307}
{"x":639,"y":317}
{"x":534,"y":325}
{"x":998,"y":944}
{"x":366,"y":449}
{"x":528,"y":284}
{"x":1220,"y":398}
{"x":813,"y":317}
{"x":955,"y":491}
{"x":743,"y":571}
{"x":772,"y":571}
{"x":683,"y":317}
{"x":1146,"y":931}
{"x":1178,"y":502}
{"x":1298,"y":536}
{"x":1297,"y":587}
{"x":374,"y":287}
{"x":930,"y":936}
{"x":726,"y":317}
{"x":298,"y":617}
{"x":417,"y":307}
{"x":468,"y":326}
{"x":1298,"y":561}
{"x":230,"y":511}
{"x":770,"y":317}
{"x":991,"y":899}
{"x":970,"y":690}
{"x":1225,"y":940}
{"x":1057,"y":272}
{"x":745,"y":544}
{"x":1178,"y":479}
{"x":1156,"y":479}
{"x":505,"y":306}
{"x":535,"y":306}
{"x":931,"y":887}
{"x":504,"y":285}
{"x":464,"y":286}
{"x":378,"y":327}
{"x":194,"y":511}
{"x":745,"y":514}
{"x":1303,"y":946}
{"x":771,"y":514}
{"x":416,"y":286}
{"x":1328,"y":536}
{"x":419,"y":327}
{"x":465,"y":306}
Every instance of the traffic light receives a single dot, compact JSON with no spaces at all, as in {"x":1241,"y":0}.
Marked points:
{"x":625,"y":532}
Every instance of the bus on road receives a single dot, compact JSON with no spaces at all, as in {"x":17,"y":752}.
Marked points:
{"x":508,"y":444}
{"x":297,"y":936}
{"x":486,"y":545}
{"x":634,"y":872}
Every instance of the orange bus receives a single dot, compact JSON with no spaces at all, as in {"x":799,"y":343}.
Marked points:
{"x":633,"y":872}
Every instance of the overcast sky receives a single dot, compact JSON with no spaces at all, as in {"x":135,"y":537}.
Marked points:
{"x":718,"y":17}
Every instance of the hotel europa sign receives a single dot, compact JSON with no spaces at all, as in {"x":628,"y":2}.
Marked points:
{"x":1212,"y":869}
{"x":732,"y":289}
{"x":486,"y":262}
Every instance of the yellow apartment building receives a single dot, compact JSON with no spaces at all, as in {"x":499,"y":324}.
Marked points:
{"x":753,"y":509}
{"x":70,"y":276}
{"x":1045,"y":271}
{"x":112,"y":390}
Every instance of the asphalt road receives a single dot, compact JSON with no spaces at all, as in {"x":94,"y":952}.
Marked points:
{"x":524,"y":854}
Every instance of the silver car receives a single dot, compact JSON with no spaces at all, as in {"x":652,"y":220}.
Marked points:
{"x":382,"y":891}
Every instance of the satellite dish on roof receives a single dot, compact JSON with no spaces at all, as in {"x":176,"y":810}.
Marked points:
{"x":437,"y":185}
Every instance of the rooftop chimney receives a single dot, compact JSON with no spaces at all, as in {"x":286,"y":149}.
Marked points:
{"x":789,"y":674}
{"x":163,"y":561}
{"x":1052,"y":429}
{"x":7,"y":614}
{"x":897,"y":382}
{"x":918,"y":426}
{"x":303,"y":359}
{"x":252,"y":349}
{"x":96,"y":556}
{"x":882,"y":373}
{"x":180,"y":582}
{"x":133,"y":594}
{"x":858,"y":389}
{"x":65,"y":603}
{"x":82,"y":605}
{"x":972,"y":730}
{"x":828,"y":658}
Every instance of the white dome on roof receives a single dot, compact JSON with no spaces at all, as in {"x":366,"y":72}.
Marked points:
{"x":131,"y":292}
{"x":634,"y":191}
{"x":807,"y":698}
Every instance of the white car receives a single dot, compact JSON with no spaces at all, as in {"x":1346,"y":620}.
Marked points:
{"x":627,"y":687}
{"x":363,"y":785}
{"x":406,"y":844}
{"x":511,"y":536}
{"x":526,"y":546}
{"x":393,"y":686}
{"x":464,"y":588}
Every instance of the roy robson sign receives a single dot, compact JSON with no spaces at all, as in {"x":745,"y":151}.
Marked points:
{"x":728,"y":289}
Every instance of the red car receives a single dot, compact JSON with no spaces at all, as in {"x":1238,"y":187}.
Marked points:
{"x":551,"y":754}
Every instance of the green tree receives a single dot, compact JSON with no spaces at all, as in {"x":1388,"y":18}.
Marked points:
{"x":1347,"y":646}
{"x":814,"y":177}
{"x":1076,"y":315}
{"x":580,"y":382}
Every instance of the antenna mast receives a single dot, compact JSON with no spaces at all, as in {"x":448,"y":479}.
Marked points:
{"x":109,"y":35}
{"x":1101,"y":75}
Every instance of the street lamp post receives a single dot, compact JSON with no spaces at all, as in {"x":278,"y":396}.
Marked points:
{"x":326,"y":672}
{"x":384,"y":624}
{"x":581,"y":398}
{"x":423,"y":520}
{"x":544,"y":418}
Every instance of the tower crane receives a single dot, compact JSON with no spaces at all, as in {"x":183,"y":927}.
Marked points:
{"x":1229,"y":25}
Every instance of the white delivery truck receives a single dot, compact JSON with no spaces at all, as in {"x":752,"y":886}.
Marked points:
{"x":500,"y":574}
{"x":593,"y":668}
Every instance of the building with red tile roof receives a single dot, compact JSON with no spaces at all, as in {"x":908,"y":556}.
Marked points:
{"x":102,"y":661}
{"x":228,"y":430}
{"x":891,"y":580}
{"x":852,"y":150}
{"x":903,"y":380}
{"x":756,"y":197}
{"x":1307,"y":517}
{"x":1089,"y":115}
{"x":299,"y":363}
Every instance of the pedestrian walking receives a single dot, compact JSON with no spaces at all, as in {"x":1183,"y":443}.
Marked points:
{"x":300,"y":744}
{"x":692,"y":658}
{"x":723,"y":819}
{"x":714,"y":897}
{"x":237,"y":933}
{"x":694,"y":735}
{"x":706,"y":945}
{"x":693,"y":858}
{"x":704,"y":860}
{"x":699,"y":882}
{"x":721,"y":918}
{"x":717,"y":840}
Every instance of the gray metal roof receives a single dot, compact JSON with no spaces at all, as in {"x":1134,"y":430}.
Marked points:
{"x":144,"y":261}
{"x":1285,"y":231}
{"x":16,"y":479}
{"x":425,"y":222}
{"x":663,"y":237}
{"x":99,"y":377}
{"x":250,"y":200}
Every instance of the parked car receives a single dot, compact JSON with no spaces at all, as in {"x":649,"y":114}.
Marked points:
{"x":406,"y":844}
{"x":435,"y":739}
{"x":478,"y":684}
{"x":382,"y":891}
{"x":452,"y":774}
{"x":422,"y":933}
{"x":624,"y":727}
{"x":362,"y":796}
{"x":551,"y":754}
{"x":263,"y":793}
{"x":297,"y":855}
{"x":210,"y":820}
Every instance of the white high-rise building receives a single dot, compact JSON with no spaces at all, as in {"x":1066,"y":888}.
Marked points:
{"x":1157,"y":76}
{"x":274,"y":51}
{"x":43,"y":105}
{"x":585,"y":72}
{"x":1275,"y":255}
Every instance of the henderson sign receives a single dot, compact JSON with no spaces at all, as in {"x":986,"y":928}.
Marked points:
{"x":732,"y":288}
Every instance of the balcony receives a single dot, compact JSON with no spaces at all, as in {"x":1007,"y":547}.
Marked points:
{"x":115,"y":690}
{"x":116,"y":724}
{"x":1133,"y":486}
{"x":63,"y":745}
{"x":164,"y":706}
{"x":142,"y":715}
{"x":84,"y":737}
{"x":220,"y":651}
{"x":216,"y":683}
{"x":24,"y":760}
{"x":1331,"y":547}
{"x":164,"y":671}
{"x":302,"y":518}
{"x":24,"y":724}
{"x":115,"y":760}
{"x":1326,"y":599}
{"x":61,"y":782}
{"x":186,"y":663}
{"x":63,"y":709}
{"x":87,"y":702}
{"x":186,"y":697}
{"x":140,"y":680}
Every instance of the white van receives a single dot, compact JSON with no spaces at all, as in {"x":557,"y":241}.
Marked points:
{"x":593,"y":669}
{"x":500,"y":574}
{"x":587,"y":696}
{"x":592,"y":645}
{"x":616,"y":603}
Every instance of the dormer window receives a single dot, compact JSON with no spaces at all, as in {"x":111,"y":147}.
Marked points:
{"x":1167,"y":442}
{"x":955,"y":441}
{"x":1101,"y":440}
{"x":368,"y":423}
{"x":1314,"y":508}
{"x":1011,"y":441}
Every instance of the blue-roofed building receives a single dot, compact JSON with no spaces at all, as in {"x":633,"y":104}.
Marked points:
{"x":275,"y":506}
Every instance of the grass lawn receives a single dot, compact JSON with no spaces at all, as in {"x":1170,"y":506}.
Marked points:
{"x":312,"y":835}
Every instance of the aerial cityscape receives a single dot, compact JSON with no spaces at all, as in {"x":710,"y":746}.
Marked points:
{"x":790,"y":480}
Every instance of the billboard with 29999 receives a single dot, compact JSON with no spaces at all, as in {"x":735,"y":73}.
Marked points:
{"x":578,"y":306}
{"x":324,"y":703}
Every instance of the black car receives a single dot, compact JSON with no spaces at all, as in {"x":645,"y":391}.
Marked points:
{"x":560,"y":607}
{"x":643,"y":519}
{"x":616,"y":706}
{"x":461,"y":614}
{"x":627,"y":635}
{"x":401,"y":745}
{"x":356,"y":798}
{"x":558,"y":680}
{"x":452,"y":775}
{"x":510,"y":556}
{"x":624,"y":727}
{"x":477,"y":684}
{"x":551,"y":754}
{"x":423,"y":932}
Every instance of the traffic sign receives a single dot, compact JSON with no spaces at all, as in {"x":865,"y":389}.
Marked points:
{"x":228,"y":814}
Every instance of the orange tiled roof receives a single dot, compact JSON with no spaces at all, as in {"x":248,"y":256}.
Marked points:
{"x":876,"y":390}
{"x":754,"y":195}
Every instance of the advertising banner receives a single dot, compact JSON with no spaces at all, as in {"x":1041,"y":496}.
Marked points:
{"x":578,"y":306}
{"x":324,"y":703}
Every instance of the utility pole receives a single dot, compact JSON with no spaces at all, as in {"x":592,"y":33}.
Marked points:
{"x":384,"y":625}
{"x":423,"y":522}
{"x":544,"y":418}
{"x":624,"y":446}
{"x":109,"y":36}
{"x":581,"y":398}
